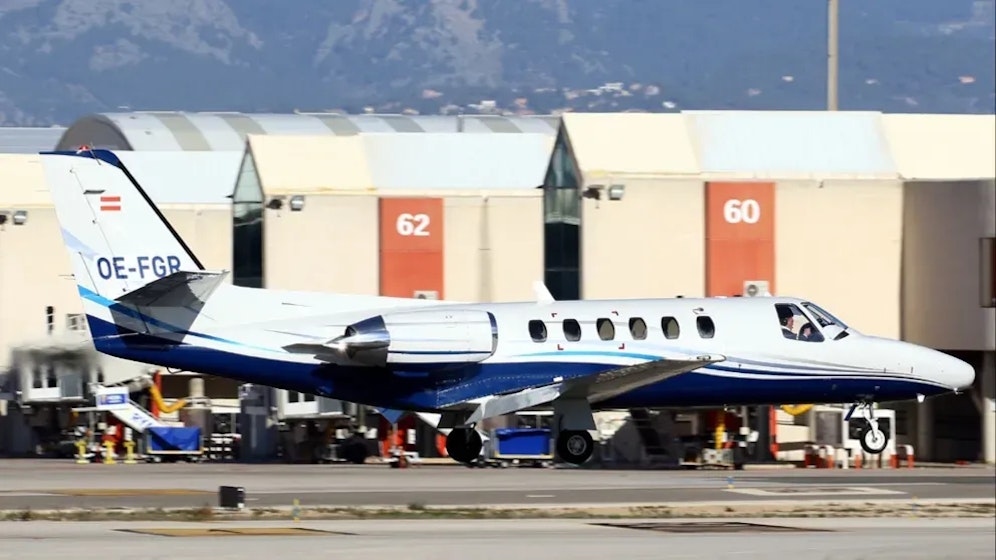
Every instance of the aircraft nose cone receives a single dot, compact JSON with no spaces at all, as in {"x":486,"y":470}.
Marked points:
{"x":959,"y":374}
{"x":947,"y":370}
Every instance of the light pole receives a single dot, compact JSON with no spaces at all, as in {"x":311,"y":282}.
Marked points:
{"x":832,"y":6}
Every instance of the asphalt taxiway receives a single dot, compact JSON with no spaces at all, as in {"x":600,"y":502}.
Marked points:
{"x":50,"y":484}
{"x":743,"y":539}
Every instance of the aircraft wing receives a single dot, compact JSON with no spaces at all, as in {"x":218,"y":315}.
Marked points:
{"x":593,"y":388}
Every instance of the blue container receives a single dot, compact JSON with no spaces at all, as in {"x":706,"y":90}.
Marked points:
{"x":530,"y":442}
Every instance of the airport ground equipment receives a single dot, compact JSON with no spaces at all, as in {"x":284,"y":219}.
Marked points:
{"x":520,"y":446}
{"x":117,"y":401}
{"x":174,"y":442}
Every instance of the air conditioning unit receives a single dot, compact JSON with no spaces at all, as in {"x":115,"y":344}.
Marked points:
{"x":756,"y":288}
{"x":426,"y":294}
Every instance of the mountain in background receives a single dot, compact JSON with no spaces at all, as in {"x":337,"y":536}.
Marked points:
{"x":61,"y":59}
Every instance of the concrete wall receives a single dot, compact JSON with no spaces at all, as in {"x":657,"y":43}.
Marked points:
{"x":493,"y":247}
{"x":649,"y":244}
{"x":838,"y":243}
{"x":943,"y":223}
{"x":330,"y":246}
{"x":34,"y":273}
{"x":207,"y":230}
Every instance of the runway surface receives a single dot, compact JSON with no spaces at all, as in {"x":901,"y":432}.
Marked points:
{"x":744,"y":539}
{"x":50,"y":484}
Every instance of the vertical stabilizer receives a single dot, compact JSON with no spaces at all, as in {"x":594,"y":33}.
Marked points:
{"x":117,"y":239}
{"x":120,"y":245}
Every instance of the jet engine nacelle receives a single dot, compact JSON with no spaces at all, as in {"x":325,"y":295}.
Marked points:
{"x":423,"y":339}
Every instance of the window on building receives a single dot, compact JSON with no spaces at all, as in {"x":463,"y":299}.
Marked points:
{"x":706,"y":327}
{"x":637,"y":328}
{"x":247,"y":226}
{"x":76,"y":321}
{"x":562,"y":229}
{"x":561,"y":256}
{"x":537,"y":330}
{"x":561,"y":173}
{"x":670,"y":327}
{"x":606,"y":330}
{"x":987,"y":258}
{"x":563,"y":283}
{"x":572,"y":330}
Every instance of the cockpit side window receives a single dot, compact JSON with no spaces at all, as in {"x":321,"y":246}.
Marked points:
{"x":795,"y":325}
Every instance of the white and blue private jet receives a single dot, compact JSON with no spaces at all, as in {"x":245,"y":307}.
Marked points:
{"x":147,"y":298}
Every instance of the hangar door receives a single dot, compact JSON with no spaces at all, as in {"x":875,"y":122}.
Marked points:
{"x":411,"y":247}
{"x":740,"y":236}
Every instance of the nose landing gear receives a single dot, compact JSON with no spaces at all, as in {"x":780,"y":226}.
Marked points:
{"x":873,"y":439}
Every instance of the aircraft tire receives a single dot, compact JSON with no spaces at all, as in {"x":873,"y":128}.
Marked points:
{"x":354,"y":450}
{"x":874,"y":442}
{"x":575,"y":446}
{"x":464,"y":445}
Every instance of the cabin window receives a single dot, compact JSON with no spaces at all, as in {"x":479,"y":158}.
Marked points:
{"x":795,"y":324}
{"x":537,"y":330}
{"x":606,"y":330}
{"x":637,"y":328}
{"x":670,"y":327}
{"x":572,"y":330}
{"x":706,"y":327}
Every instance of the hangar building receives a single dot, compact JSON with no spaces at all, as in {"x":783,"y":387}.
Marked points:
{"x":885,"y":220}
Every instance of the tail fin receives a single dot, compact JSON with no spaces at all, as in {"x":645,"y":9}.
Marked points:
{"x":135,"y":275}
{"x":117,"y":239}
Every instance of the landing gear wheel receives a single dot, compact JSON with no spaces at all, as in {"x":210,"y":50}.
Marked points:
{"x":874,"y":440}
{"x":575,"y":446}
{"x":464,"y":444}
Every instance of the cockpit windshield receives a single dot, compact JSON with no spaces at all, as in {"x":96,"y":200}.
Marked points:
{"x":796,"y":325}
{"x":823,"y":317}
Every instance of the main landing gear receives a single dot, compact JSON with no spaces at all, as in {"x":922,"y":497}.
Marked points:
{"x":575,"y":446}
{"x":464,"y":444}
{"x":873,"y":439}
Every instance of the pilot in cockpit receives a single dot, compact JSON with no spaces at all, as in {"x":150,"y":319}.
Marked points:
{"x":787,"y":319}
{"x":807,"y":332}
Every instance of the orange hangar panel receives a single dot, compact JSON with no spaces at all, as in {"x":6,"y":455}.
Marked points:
{"x":411,"y":247}
{"x":740,"y":236}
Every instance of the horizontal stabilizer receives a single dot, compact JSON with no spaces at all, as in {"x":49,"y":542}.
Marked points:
{"x":179,"y":289}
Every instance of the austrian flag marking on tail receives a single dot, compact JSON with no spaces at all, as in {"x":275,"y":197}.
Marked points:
{"x":110,"y":203}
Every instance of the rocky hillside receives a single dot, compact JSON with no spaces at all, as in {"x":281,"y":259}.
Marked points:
{"x":60,"y":59}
